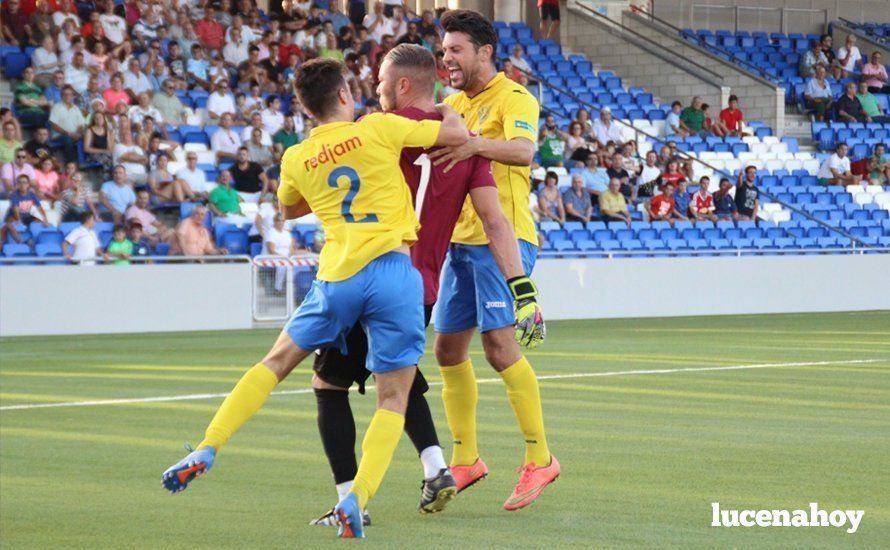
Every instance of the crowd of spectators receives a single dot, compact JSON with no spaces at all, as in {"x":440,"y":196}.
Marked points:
{"x":127,"y":107}
{"x":610,"y":174}
{"x":857,"y":103}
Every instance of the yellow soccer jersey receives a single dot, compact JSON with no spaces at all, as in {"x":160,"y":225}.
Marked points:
{"x":349,"y":174}
{"x":503,"y":110}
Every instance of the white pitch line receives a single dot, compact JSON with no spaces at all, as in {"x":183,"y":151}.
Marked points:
{"x":199,"y":396}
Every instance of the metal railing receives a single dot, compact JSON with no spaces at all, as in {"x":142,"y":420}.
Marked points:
{"x":762,"y":73}
{"x":708,"y":252}
{"x":134,"y":260}
{"x":737,"y":9}
{"x":855,"y":28}
{"x":541,"y":83}
{"x":654,"y":48}
{"x":280,"y":283}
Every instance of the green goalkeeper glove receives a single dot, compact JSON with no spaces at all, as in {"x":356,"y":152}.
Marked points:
{"x":530,"y":328}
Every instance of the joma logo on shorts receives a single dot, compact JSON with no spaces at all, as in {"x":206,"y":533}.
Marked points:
{"x":489,"y":305}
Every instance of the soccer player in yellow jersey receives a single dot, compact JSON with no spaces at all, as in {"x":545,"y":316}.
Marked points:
{"x":348,"y":174}
{"x":504,"y":117}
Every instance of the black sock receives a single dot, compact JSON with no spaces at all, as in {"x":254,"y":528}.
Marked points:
{"x":419,"y":421}
{"x":337,"y":428}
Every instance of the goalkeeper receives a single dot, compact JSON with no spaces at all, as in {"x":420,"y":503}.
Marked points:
{"x":503,"y":116}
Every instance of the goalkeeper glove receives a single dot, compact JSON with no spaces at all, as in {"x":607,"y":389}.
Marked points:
{"x":530,"y":328}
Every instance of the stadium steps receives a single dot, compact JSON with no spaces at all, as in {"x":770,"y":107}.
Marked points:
{"x":799,"y":126}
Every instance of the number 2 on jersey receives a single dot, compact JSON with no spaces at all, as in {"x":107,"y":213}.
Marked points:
{"x":355,"y":184}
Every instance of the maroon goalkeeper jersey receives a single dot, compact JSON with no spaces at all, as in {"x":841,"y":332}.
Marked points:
{"x":438,"y":199}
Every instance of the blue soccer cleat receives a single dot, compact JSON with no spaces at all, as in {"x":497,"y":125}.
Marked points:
{"x":349,"y":517}
{"x":178,"y":476}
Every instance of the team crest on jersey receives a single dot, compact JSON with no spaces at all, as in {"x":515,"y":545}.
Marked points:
{"x":482,"y":115}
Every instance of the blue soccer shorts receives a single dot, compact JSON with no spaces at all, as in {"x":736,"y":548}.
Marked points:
{"x":385,"y":297}
{"x":473,"y":292}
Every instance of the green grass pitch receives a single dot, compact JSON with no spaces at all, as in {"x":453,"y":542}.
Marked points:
{"x":643,"y":454}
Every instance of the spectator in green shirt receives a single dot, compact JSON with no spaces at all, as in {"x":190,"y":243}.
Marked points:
{"x":870,"y":104}
{"x":879,"y":166}
{"x":287,"y":135}
{"x":224,"y":200}
{"x":120,"y":248}
{"x":31,"y":107}
{"x":694,"y":117}
{"x":551,"y":144}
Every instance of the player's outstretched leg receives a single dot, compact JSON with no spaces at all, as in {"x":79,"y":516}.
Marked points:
{"x":378,"y":446}
{"x":539,"y":468}
{"x":459,"y":395}
{"x":438,"y":486}
{"x":243,"y":402}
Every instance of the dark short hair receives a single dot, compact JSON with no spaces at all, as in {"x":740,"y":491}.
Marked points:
{"x":271,"y":99}
{"x":473,"y":24}
{"x":317,"y":82}
{"x":705,"y":106}
{"x":674,"y":104}
{"x":119,"y":227}
{"x":86,"y":216}
{"x":733,"y":97}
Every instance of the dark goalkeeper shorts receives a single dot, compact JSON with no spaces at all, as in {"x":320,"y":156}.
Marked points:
{"x":345,"y":370}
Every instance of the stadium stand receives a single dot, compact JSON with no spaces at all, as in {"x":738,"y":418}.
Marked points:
{"x":249,"y":80}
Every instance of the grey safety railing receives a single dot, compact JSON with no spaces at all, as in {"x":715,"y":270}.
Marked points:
{"x":737,"y":9}
{"x":541,"y":83}
{"x":699,"y":41}
{"x":652,"y":47}
{"x":738,"y":252}
{"x":280,"y":283}
{"x":134,"y":260}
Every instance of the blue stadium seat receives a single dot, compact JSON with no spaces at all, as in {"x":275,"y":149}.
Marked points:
{"x":235,"y":242}
{"x":11,"y":250}
{"x":14,"y":64}
{"x":48,"y":249}
{"x":50,"y":238}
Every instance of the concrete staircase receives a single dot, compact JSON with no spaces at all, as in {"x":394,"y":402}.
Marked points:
{"x":799,"y":126}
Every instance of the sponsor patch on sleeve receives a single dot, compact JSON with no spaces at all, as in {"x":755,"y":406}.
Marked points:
{"x":523,"y":125}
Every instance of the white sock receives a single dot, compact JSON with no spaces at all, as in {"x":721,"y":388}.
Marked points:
{"x":433,"y":460}
{"x":343,"y":489}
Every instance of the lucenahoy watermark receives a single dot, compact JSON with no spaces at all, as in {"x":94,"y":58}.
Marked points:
{"x":814,"y":517}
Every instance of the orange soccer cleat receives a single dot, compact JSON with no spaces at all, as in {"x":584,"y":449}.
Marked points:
{"x":467,"y":476}
{"x":532,"y":480}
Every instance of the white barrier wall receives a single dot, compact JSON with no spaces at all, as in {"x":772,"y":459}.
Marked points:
{"x":669,"y":287}
{"x":157,"y":298}
{"x":134,"y":298}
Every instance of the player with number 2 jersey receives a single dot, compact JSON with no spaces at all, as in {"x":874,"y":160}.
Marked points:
{"x":407,"y":76}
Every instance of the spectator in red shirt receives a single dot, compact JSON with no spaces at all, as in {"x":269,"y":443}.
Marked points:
{"x":731,"y":118}
{"x":15,"y":30}
{"x":702,"y":204}
{"x":286,"y":47}
{"x":209,"y":31}
{"x":511,"y":71}
{"x":672,"y":174}
{"x":663,"y":208}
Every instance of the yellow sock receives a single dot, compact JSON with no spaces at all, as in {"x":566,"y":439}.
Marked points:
{"x":379,"y":444}
{"x":460,"y":394}
{"x":525,"y":398}
{"x":245,"y":400}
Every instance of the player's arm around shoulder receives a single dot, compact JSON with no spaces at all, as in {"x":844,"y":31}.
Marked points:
{"x":453,"y":132}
